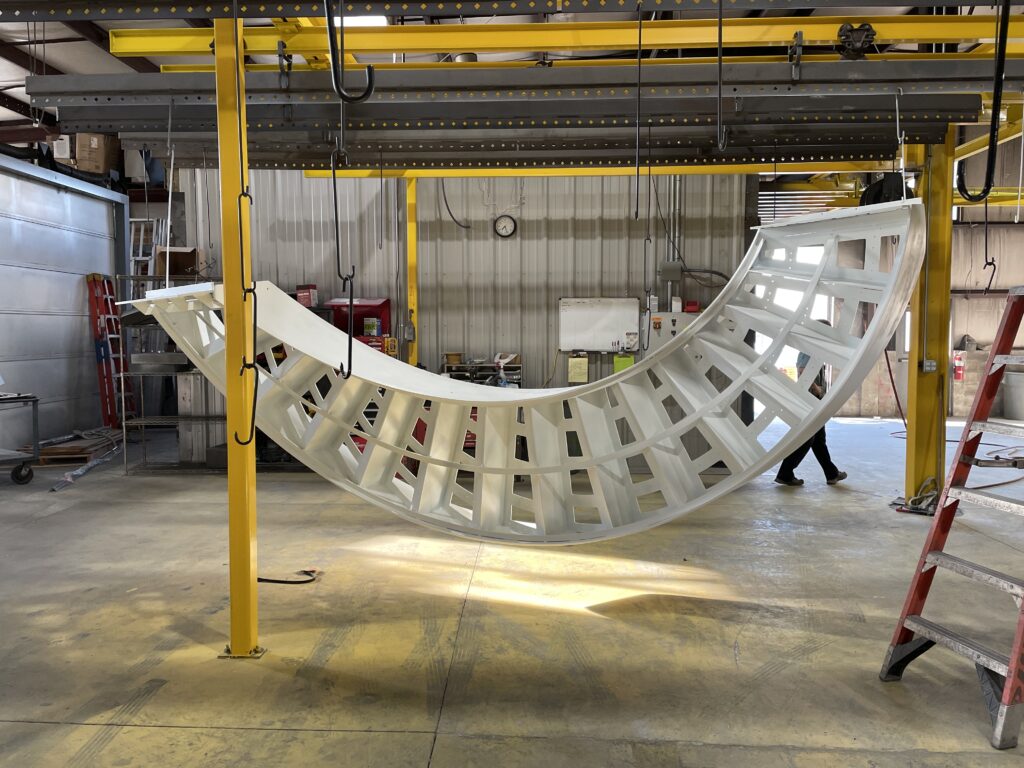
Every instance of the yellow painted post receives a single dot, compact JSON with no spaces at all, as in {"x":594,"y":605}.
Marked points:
{"x":928,"y":387}
{"x":412,"y":270}
{"x":237,"y":269}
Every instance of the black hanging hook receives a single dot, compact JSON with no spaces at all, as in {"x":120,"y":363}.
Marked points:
{"x":338,"y":54}
{"x":347,"y":280}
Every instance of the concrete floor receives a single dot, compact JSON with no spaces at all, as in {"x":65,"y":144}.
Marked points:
{"x":747,"y":634}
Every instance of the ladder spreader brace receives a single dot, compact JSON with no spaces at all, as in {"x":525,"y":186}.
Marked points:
{"x":1001,"y":676}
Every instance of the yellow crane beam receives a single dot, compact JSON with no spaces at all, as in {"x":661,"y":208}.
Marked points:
{"x":351,"y":63}
{"x":577,"y":36}
{"x":853,"y":166}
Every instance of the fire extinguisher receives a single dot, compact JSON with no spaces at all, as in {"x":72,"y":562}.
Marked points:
{"x":958,"y":367}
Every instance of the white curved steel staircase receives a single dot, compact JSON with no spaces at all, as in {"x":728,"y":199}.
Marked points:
{"x":552,"y":466}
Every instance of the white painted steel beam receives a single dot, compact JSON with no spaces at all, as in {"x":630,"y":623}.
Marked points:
{"x":552,"y":466}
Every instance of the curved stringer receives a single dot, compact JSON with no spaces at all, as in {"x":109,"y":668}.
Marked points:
{"x":569,"y":465}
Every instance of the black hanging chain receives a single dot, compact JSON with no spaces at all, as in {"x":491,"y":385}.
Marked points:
{"x":337,"y":54}
{"x":248,"y":364}
{"x":348,"y":281}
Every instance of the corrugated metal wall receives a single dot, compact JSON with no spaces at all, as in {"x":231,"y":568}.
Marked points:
{"x":481,"y":294}
{"x":979,"y":315}
{"x":51,"y":239}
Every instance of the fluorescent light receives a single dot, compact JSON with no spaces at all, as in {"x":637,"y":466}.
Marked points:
{"x":363,"y":21}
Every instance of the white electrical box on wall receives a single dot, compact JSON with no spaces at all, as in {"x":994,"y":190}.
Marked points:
{"x":599,"y":325}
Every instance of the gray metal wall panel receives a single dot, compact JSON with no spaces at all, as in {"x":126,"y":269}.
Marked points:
{"x":481,"y":294}
{"x":52,"y":238}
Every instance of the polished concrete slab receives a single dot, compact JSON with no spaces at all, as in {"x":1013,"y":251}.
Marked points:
{"x":749,"y":633}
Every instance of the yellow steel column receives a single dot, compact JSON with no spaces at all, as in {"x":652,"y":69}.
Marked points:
{"x":237,"y":269}
{"x":412,"y":270}
{"x":929,"y":328}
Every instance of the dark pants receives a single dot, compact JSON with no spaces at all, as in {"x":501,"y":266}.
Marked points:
{"x":816,"y":444}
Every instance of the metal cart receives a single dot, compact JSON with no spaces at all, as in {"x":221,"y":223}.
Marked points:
{"x":22,"y":460}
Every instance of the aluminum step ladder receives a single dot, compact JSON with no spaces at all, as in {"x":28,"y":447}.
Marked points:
{"x":1001,"y":675}
{"x":146,"y":235}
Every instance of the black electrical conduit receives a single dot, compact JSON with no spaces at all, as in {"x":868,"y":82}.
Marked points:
{"x":1002,"y":34}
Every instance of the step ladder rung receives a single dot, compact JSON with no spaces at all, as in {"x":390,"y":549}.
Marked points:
{"x":1010,"y":429}
{"x":1007,"y":360}
{"x":979,"y":573}
{"x":954,"y":641}
{"x":986,"y":499}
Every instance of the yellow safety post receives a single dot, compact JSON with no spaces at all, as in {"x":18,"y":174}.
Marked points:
{"x":238,"y":330}
{"x":412,"y":270}
{"x":929,"y":328}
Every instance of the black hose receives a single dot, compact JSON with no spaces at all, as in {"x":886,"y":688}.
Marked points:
{"x":444,"y":196}
{"x":1003,"y":33}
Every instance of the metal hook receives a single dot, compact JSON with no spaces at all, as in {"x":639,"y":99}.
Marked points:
{"x":901,"y":140}
{"x":338,"y":55}
{"x":251,"y":365}
{"x":285,"y":62}
{"x":347,"y":281}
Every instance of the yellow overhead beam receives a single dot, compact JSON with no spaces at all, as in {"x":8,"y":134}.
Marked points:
{"x":581,"y":36}
{"x":999,"y":196}
{"x":1008,"y":132}
{"x":350,"y":63}
{"x":854,"y":166}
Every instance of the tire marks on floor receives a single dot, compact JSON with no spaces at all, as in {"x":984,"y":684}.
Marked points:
{"x":123,"y":715}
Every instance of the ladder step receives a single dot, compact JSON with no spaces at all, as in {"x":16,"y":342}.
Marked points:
{"x":977,"y":572}
{"x":987,"y":500}
{"x":959,"y":644}
{"x":1010,"y":429}
{"x":1007,"y":360}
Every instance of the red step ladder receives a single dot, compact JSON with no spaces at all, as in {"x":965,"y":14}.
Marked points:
{"x":106,"y":333}
{"x":1001,"y":675}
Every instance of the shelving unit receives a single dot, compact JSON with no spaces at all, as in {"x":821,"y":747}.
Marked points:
{"x":484,"y":373}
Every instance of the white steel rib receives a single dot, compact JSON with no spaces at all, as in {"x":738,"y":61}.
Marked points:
{"x":585,"y":463}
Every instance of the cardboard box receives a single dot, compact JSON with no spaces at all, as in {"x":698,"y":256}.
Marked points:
{"x":307,"y":295}
{"x":184,"y":261}
{"x":97,"y":153}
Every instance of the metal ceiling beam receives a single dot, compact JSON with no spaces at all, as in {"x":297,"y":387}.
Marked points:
{"x":579,"y":36}
{"x":99,"y":37}
{"x":18,"y":56}
{"x":29,"y":133}
{"x":1008,"y":132}
{"x":12,"y":104}
{"x":46,"y":10}
{"x":678,"y":81}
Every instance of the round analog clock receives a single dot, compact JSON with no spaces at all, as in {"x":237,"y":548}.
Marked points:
{"x":504,"y":226}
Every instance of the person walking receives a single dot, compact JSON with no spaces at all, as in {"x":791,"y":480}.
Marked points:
{"x":817,"y":442}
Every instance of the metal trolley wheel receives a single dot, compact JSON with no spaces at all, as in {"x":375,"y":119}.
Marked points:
{"x":22,"y":474}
